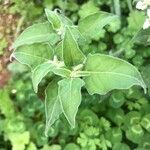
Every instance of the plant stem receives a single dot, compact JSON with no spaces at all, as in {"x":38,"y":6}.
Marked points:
{"x":130,"y":5}
{"x":117,"y":8}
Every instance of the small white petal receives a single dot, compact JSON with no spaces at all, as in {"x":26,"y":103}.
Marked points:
{"x":147,"y":2}
{"x":146,"y":24}
{"x":140,"y":5}
{"x":148,"y":13}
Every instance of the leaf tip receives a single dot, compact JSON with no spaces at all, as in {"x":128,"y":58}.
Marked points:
{"x":46,"y":10}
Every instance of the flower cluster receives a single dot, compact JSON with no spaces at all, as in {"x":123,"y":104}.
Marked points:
{"x":143,"y":5}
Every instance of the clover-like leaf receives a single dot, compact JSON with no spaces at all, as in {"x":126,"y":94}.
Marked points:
{"x":70,"y":97}
{"x":92,"y":25}
{"x":132,"y":118}
{"x":114,"y":135}
{"x":106,"y":73}
{"x":121,"y":146}
{"x":71,"y":53}
{"x":146,"y":122}
{"x":52,"y":104}
{"x":116,"y":116}
{"x":33,"y":55}
{"x":135,"y":133}
{"x":37,"y":33}
{"x":117,"y":99}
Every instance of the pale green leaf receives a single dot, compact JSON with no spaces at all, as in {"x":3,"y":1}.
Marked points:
{"x":146,"y":76}
{"x":78,"y":36}
{"x":33,"y":55}
{"x":42,"y":70}
{"x":69,"y":92}
{"x":71,"y":53}
{"x":65,"y":20}
{"x":53,"y":18}
{"x":59,"y":51}
{"x":92,"y":25}
{"x":107,"y":73}
{"x":36,"y":33}
{"x":39,"y":73}
{"x":63,"y":72}
{"x":52,"y":104}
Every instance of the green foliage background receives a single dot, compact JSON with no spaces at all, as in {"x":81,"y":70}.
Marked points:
{"x":119,"y":120}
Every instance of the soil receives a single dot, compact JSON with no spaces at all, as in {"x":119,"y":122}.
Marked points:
{"x":8,"y":25}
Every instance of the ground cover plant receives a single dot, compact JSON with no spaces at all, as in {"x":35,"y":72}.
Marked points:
{"x":89,"y":57}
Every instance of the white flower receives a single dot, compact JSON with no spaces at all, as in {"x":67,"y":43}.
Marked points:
{"x":146,"y":23}
{"x":143,"y":4}
{"x":148,"y":13}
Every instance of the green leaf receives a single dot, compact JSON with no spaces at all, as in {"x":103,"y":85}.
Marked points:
{"x":33,"y":55}
{"x":92,"y":25}
{"x":71,"y":53}
{"x":116,"y":116}
{"x":145,"y":142}
{"x":52,"y":104}
{"x":146,"y":76}
{"x":78,"y":36}
{"x":53,"y":18}
{"x":88,"y":9}
{"x":63,"y":72}
{"x":65,"y":20}
{"x":114,"y":135}
{"x":19,"y":140}
{"x":146,"y":122}
{"x":132,"y":118}
{"x":120,"y":146}
{"x":59,"y":51}
{"x":117,"y":99}
{"x":36,"y":33}
{"x":106,"y":73}
{"x":72,"y":146}
{"x":70,"y":97}
{"x":6,"y":105}
{"x":40,"y":72}
{"x":142,"y":37}
{"x":135,"y":133}
{"x":135,"y":21}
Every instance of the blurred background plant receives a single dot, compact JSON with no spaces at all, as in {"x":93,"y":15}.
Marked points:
{"x":119,"y":121}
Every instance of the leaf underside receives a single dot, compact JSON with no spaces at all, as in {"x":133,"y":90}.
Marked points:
{"x":107,"y":73}
{"x":36,"y":33}
{"x":72,"y":55}
{"x":52,"y":104}
{"x":33,"y":55}
{"x":70,"y":97}
{"x":39,"y":73}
